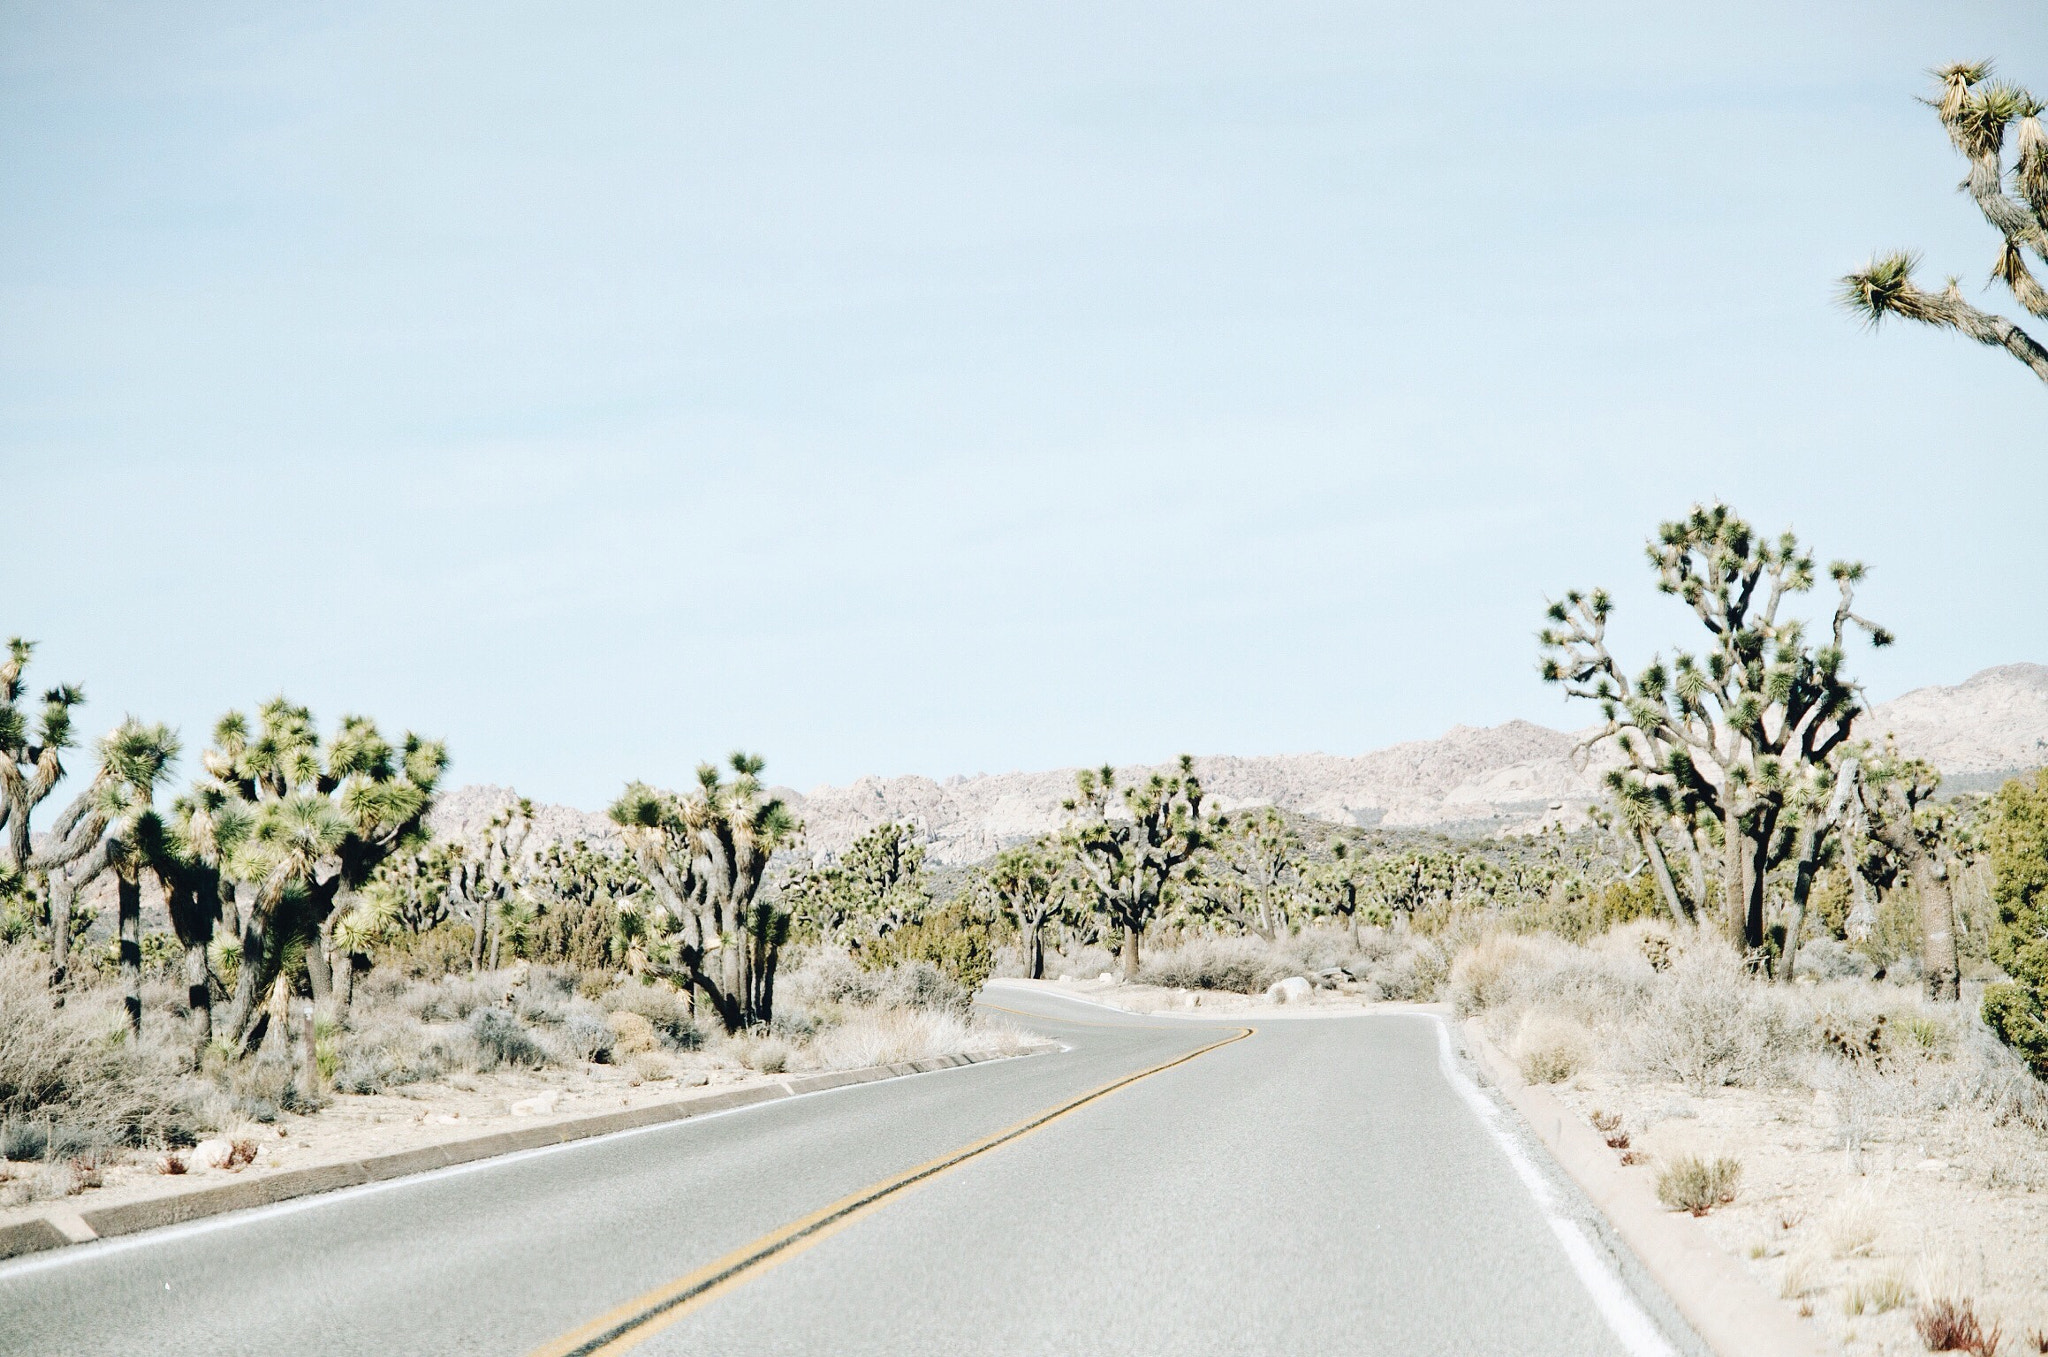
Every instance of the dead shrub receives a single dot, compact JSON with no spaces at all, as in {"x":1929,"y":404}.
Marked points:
{"x":1950,"y":1324}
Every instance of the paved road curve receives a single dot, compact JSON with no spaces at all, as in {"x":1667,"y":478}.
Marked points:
{"x":1317,"y":1187}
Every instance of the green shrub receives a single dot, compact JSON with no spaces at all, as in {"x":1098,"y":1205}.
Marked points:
{"x":958,"y":944}
{"x":1698,"y":1185}
{"x":2017,"y":838}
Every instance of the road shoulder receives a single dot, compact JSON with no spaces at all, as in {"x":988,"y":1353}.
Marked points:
{"x":1712,"y":1290}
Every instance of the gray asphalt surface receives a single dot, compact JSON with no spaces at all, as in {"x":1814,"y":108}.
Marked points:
{"x":1318,"y":1187}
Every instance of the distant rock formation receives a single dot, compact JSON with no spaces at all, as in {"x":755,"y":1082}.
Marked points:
{"x":1993,"y":722}
{"x":1471,"y":780}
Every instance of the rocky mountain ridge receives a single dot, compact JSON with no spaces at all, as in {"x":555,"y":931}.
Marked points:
{"x":1470,"y":780}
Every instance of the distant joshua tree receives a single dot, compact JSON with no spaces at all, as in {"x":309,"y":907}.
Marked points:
{"x":1135,"y":855}
{"x":705,"y":855}
{"x":1978,"y":111}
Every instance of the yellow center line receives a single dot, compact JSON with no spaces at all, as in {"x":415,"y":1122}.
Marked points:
{"x":641,"y":1318}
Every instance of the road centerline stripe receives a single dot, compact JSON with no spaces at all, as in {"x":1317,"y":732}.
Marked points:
{"x":641,"y":1318}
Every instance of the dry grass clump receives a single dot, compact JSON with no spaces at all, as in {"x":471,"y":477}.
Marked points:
{"x":1877,"y":1295}
{"x":1386,"y":965}
{"x":889,"y":1036}
{"x":1241,"y":965}
{"x":72,"y":1078}
{"x":1698,"y":1185}
{"x":1550,"y":1048}
{"x":1852,"y":1228}
{"x":1708,"y":1025}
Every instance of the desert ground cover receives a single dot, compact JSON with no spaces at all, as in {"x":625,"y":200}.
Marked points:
{"x":95,"y":1116}
{"x":1879,"y":1155}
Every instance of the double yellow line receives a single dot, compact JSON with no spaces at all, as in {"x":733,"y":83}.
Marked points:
{"x":641,"y":1318}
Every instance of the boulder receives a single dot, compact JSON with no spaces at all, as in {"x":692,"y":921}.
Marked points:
{"x":1294,"y":989}
{"x":539,"y":1105}
{"x":212,"y":1154}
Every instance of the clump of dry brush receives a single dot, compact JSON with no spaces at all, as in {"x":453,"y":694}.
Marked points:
{"x":1647,"y":1006}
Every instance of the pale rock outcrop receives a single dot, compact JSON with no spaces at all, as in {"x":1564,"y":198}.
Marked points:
{"x":1506,"y":778}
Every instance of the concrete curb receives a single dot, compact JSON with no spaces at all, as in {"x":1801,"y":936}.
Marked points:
{"x":1725,"y":1305}
{"x":43,"y":1232}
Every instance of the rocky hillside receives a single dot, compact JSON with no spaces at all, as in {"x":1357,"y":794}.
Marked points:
{"x":1471,"y":780}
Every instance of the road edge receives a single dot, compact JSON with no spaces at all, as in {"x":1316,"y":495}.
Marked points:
{"x":1727,"y":1307}
{"x":62,"y":1226}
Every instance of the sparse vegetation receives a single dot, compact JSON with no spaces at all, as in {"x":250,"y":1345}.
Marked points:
{"x":1699,"y":1185}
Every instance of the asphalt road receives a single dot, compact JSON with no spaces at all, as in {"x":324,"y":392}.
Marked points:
{"x":1322,"y":1186}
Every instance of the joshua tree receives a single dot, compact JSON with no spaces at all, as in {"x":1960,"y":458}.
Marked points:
{"x":486,"y":877}
{"x":31,"y":759}
{"x":1135,"y":860}
{"x":1739,"y":729}
{"x":1977,"y":112}
{"x":876,"y":887}
{"x":1031,"y":885}
{"x":1340,"y":886}
{"x":1898,"y":798}
{"x":705,"y":855}
{"x":304,"y":826}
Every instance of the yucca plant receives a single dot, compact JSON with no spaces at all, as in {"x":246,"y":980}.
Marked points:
{"x":1978,"y":113}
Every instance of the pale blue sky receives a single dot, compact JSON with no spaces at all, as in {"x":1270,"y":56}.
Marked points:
{"x":953,"y":387}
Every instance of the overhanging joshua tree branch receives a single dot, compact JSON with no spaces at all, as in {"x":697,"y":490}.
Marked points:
{"x":1977,"y":112}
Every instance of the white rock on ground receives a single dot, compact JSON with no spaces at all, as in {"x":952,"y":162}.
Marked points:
{"x":1293,"y":990}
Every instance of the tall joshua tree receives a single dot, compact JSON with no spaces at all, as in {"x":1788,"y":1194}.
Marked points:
{"x":705,"y":855}
{"x":1977,"y":112}
{"x":298,"y":827}
{"x":1739,"y":729}
{"x":1135,"y":854}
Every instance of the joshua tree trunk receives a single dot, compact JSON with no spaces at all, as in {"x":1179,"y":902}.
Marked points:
{"x":242,"y":1007}
{"x":128,"y":892}
{"x":1937,"y":930}
{"x":64,"y":886}
{"x":319,"y":976}
{"x":309,"y":1055}
{"x":1131,"y":934}
{"x":1034,"y":950}
{"x":1734,"y":882}
{"x":199,"y":995}
{"x":1652,"y":850}
{"x":1746,"y":862}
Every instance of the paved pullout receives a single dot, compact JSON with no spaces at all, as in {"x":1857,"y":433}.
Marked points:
{"x":1318,"y":1187}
